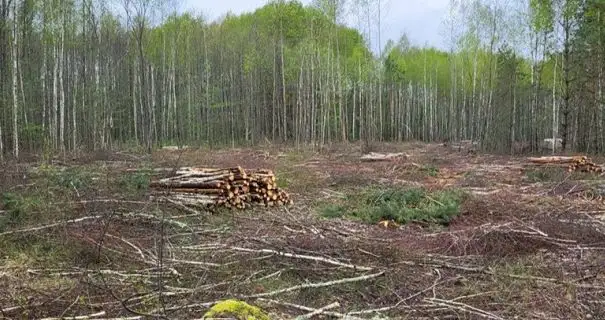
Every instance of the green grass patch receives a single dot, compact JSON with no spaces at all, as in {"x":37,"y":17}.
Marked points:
{"x":45,"y":251}
{"x":398,"y":204}
{"x":64,"y":178}
{"x":548,"y":174}
{"x":430,"y":170}
{"x":135,"y":182}
{"x":18,"y":209}
{"x":544,"y":174}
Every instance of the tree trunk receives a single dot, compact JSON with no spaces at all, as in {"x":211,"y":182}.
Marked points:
{"x":554,"y":108}
{"x":62,"y":88}
{"x":134,"y":99}
{"x":15,"y":98}
{"x":74,"y":126}
{"x":283,"y":81}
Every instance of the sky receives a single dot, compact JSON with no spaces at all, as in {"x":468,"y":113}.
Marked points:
{"x":421,"y":20}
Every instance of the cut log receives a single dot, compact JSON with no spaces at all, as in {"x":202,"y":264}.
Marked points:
{"x":187,"y":184}
{"x":557,"y":159}
{"x":576,"y":163}
{"x":373,"y":156}
{"x":228,"y":187}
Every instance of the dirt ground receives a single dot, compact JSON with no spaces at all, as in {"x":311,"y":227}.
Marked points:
{"x":529,"y":242}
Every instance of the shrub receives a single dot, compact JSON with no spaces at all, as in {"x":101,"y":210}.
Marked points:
{"x":399,"y":205}
{"x":65,"y":178}
{"x":430,"y":170}
{"x":135,"y":181}
{"x":17,"y":208}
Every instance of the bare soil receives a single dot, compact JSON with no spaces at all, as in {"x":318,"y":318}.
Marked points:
{"x":529,"y":242}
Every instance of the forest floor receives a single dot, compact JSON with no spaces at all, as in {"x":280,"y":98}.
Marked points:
{"x":83,"y":238}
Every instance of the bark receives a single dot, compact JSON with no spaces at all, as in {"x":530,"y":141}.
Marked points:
{"x":134,"y":100}
{"x":74,"y":129}
{"x":62,"y":88}
{"x":14,"y":71}
{"x":554,"y":109}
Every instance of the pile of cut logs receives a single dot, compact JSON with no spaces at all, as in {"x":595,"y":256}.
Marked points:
{"x":228,"y":187}
{"x":577,"y":163}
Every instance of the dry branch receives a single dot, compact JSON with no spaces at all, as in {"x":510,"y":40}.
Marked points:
{"x":90,"y":316}
{"x":302,"y":256}
{"x":52,"y":225}
{"x":319,"y":311}
{"x":463,"y":307}
{"x":308,"y":309}
{"x":316,"y":285}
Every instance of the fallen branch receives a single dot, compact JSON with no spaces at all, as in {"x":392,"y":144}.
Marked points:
{"x":308,"y":309}
{"x":318,"y":311}
{"x":383,"y":309}
{"x":316,"y":285}
{"x":164,"y":220}
{"x":463,"y":307}
{"x":302,"y":256}
{"x":48,"y":226}
{"x":90,"y":316}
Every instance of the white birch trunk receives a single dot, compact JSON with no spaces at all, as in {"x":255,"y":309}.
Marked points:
{"x":134,"y":100}
{"x":283,"y":81}
{"x":23,"y":101}
{"x":62,"y":90}
{"x":53,"y":115}
{"x":15,"y":98}
{"x":43,"y":83}
{"x":96,"y":100}
{"x":425,"y":105}
{"x":153,"y":105}
{"x":74,"y":126}
{"x":173,"y":88}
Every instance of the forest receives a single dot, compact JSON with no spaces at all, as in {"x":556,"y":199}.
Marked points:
{"x":96,"y":75}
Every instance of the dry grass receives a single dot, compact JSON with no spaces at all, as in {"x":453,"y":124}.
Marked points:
{"x":84,"y":238}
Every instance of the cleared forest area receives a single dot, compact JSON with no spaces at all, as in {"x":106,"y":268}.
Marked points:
{"x":438,"y":233}
{"x":157,"y":164}
{"x":84,"y":75}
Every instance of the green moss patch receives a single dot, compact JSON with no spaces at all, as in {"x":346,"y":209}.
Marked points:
{"x":238,"y":309}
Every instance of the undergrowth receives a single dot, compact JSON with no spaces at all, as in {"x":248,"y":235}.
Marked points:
{"x":397,"y":204}
{"x":551,"y":173}
{"x":18,"y":208}
{"x":430,"y":170}
{"x":135,"y":182}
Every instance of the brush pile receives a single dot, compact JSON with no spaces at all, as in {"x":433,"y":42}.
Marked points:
{"x":577,"y":163}
{"x":227,"y":187}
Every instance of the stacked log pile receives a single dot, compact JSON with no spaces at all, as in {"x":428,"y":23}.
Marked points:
{"x":228,"y":187}
{"x":577,"y":163}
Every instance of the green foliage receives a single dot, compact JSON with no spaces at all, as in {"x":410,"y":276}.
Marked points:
{"x":430,"y":170}
{"x":399,"y":205}
{"x":544,"y":174}
{"x":235,"y":308}
{"x":135,"y":181}
{"x":18,"y":208}
{"x":65,"y":178}
{"x":34,"y":133}
{"x":542,"y":15}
